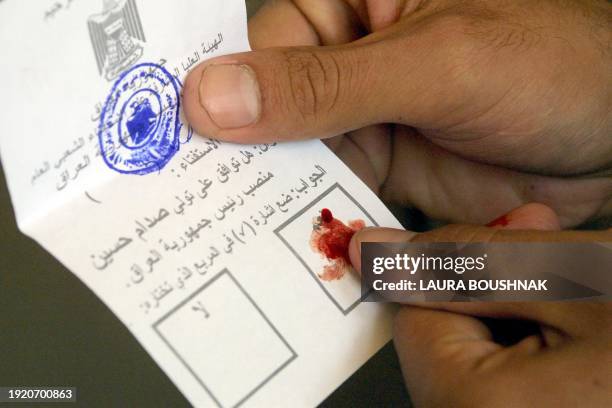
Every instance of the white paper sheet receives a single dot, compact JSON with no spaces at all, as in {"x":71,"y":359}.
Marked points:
{"x":207,"y":259}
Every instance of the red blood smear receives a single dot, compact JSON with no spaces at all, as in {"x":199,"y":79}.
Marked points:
{"x":334,"y":242}
{"x":326,"y":215}
{"x":331,"y":238}
{"x":499,"y":222}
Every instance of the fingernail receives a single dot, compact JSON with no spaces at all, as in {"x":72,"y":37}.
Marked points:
{"x":355,"y":252}
{"x":372,"y":234}
{"x":230,"y":95}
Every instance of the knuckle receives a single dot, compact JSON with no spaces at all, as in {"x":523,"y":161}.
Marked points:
{"x":314,"y":80}
{"x":464,"y":47}
{"x":457,"y":30}
{"x":457,"y":54}
{"x":470,"y":34}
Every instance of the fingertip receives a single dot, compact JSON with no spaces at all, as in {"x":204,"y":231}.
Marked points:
{"x":195,"y":113}
{"x":543,"y":217}
{"x":373,"y":234}
{"x":234,"y":98}
{"x":533,"y":216}
{"x":355,"y":253}
{"x":222,"y":99}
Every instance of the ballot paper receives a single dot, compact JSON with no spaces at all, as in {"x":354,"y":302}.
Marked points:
{"x":200,"y":247}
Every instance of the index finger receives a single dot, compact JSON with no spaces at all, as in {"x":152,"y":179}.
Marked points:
{"x":284,"y":23}
{"x":279,"y":23}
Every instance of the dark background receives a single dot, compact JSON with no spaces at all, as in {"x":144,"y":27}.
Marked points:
{"x":54,"y":331}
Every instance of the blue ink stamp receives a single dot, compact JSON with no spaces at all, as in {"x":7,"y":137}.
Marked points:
{"x":140,"y":129}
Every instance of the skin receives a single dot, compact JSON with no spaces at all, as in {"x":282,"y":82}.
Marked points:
{"x":467,"y":110}
{"x":472,"y":152}
{"x":448,"y":355}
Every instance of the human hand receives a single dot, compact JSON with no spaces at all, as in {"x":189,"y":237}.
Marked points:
{"x":449,"y":357}
{"x":495,"y":103}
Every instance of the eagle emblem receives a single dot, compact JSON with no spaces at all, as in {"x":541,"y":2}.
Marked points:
{"x":117,"y":36}
{"x":142,"y":121}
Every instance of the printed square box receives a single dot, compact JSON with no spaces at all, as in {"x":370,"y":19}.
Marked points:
{"x":345,"y":293}
{"x":229,"y":365}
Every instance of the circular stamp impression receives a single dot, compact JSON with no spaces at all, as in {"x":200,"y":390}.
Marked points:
{"x":139,"y":129}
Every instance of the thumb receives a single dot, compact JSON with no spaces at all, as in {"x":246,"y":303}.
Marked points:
{"x":452,"y":360}
{"x":437,"y":351}
{"x":283,"y":93}
{"x":307,"y":92}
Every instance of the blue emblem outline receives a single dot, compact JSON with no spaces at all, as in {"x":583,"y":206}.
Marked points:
{"x":155,"y":165}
